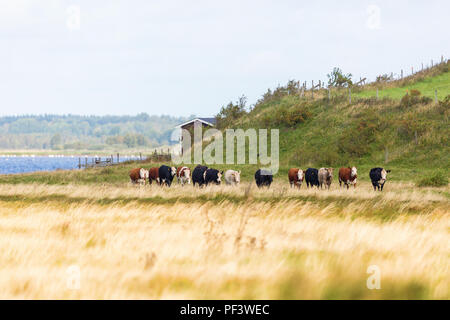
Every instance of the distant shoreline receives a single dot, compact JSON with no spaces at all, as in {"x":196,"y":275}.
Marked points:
{"x":78,"y":153}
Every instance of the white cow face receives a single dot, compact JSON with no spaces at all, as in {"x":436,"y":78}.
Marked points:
{"x":354,"y":172}
{"x":219,"y":176}
{"x":187,"y":174}
{"x":383,"y":175}
{"x":144,"y":173}
{"x":174,"y":171}
{"x":237,"y":176}
{"x":300,"y":175}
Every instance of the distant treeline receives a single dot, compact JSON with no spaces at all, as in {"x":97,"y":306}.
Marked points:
{"x":85,"y":132}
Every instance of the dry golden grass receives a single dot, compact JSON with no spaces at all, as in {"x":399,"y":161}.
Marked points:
{"x":223,"y":242}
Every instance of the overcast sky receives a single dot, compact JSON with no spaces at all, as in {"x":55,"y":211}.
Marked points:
{"x":185,"y":57}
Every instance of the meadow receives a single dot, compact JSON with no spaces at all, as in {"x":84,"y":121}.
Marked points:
{"x":426,"y":86}
{"x":222,"y":242}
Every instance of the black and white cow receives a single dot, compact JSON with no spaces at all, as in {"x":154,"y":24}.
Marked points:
{"x":166,"y":175}
{"x":198,"y":175}
{"x":263,"y":178}
{"x":378,"y":177}
{"x":213,"y":176}
{"x":312,"y":177}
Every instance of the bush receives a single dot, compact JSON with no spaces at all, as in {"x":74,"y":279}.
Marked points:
{"x":232,"y":112}
{"x":286,"y":117}
{"x":444,"y":106}
{"x":436,"y":180}
{"x":356,"y":141}
{"x":385,"y":78}
{"x":414,"y":98}
{"x":339,"y":79}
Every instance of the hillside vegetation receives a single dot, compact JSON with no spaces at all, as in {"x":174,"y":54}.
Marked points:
{"x":407,"y":131}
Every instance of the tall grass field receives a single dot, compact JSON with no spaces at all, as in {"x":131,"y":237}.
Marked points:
{"x":220,"y":242}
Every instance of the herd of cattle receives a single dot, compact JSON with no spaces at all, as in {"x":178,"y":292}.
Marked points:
{"x":203,"y":175}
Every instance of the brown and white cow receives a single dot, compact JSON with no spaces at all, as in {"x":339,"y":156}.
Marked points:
{"x":184,"y":175}
{"x":139,"y":175}
{"x":295,"y":177}
{"x":153,"y":175}
{"x":348,"y":176}
{"x":325,"y":177}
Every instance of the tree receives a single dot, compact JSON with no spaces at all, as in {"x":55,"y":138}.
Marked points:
{"x":231,"y":112}
{"x":338,"y":79}
{"x":55,"y":141}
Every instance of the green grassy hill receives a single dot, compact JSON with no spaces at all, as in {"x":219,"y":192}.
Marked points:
{"x":426,"y":82}
{"x":409,"y":134}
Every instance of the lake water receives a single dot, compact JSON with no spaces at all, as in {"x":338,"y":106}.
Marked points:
{"x":22,"y":164}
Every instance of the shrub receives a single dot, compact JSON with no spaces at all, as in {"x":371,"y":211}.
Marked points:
{"x":286,"y":117}
{"x":435,"y":180}
{"x":414,"y":98}
{"x":385,"y":78}
{"x":444,"y":106}
{"x":339,"y":79}
{"x":355,"y":141}
{"x":232,"y":112}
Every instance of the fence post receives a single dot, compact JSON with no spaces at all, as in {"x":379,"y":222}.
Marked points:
{"x":85,"y":162}
{"x":415,"y":136}
{"x":432,"y":63}
{"x":435,"y":96}
{"x":442,"y":58}
{"x":349,"y":95}
{"x":422,"y":66}
{"x":412,"y":70}
{"x":386,"y":155}
{"x":118,"y":159}
{"x":79,"y":163}
{"x":377,"y":93}
{"x":401,"y":74}
{"x":140,"y":156}
{"x":312,"y":89}
{"x":328,"y":93}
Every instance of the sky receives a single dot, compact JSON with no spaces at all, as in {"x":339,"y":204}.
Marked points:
{"x":192,"y":57}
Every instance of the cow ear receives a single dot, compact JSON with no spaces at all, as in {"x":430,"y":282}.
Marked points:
{"x":239,"y":171}
{"x":221,"y":172}
{"x":388,"y":171}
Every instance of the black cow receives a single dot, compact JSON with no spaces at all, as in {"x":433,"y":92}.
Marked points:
{"x":198,"y":175}
{"x":213,"y":176}
{"x":378,"y":177}
{"x":263,"y":178}
{"x":166,"y":175}
{"x":312,"y":177}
